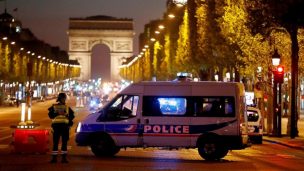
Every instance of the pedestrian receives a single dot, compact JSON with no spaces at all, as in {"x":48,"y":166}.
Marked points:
{"x":17,"y":102}
{"x":62,"y":119}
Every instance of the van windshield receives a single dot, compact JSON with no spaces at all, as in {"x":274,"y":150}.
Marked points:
{"x":253,"y":116}
{"x":120,"y":108}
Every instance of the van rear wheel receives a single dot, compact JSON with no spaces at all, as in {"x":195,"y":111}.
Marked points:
{"x":104,"y":147}
{"x":211,"y":150}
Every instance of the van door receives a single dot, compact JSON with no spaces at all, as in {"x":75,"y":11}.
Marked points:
{"x":165,"y":121}
{"x":214,"y":114}
{"x":121,"y":120}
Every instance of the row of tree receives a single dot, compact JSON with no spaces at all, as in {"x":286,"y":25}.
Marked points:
{"x":23,"y":57}
{"x":208,"y":37}
{"x":20,"y":65}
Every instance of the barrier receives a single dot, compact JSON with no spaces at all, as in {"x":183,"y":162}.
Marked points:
{"x":31,"y":141}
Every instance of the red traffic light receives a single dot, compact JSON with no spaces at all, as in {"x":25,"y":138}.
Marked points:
{"x":279,"y":74}
{"x":280,"y":69}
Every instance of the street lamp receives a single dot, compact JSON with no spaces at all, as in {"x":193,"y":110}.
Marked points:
{"x":228,"y":76}
{"x":216,"y":76}
{"x":180,"y":2}
{"x":278,"y":73}
{"x":171,"y":16}
{"x":276,"y":58}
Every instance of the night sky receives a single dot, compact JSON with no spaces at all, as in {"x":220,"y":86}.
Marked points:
{"x":49,"y":19}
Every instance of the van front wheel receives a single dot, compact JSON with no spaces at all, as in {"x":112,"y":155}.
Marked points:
{"x":212,"y":150}
{"x":104,"y":147}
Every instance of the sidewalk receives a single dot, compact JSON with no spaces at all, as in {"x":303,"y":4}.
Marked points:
{"x":297,"y":142}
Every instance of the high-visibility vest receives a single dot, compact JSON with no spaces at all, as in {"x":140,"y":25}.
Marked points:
{"x":62,"y":112}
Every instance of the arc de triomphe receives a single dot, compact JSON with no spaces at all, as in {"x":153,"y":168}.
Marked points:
{"x":85,"y":33}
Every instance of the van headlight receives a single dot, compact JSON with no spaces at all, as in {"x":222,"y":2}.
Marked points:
{"x":78,"y":129}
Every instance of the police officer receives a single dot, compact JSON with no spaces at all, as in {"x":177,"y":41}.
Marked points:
{"x":62,"y":119}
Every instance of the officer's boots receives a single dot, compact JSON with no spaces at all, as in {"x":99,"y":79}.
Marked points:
{"x":64,"y":159}
{"x":54,"y":159}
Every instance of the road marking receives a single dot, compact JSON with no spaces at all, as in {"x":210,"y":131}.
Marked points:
{"x":69,"y":147}
{"x":4,"y":129}
{"x":286,"y":156}
{"x":4,"y":146}
{"x":4,"y":138}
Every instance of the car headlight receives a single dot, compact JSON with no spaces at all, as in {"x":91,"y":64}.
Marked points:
{"x":78,"y":129}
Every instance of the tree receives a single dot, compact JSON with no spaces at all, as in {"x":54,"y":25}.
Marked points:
{"x":251,"y":51}
{"x":215,"y":52}
{"x":183,"y":57}
{"x":166,"y":64}
{"x":203,"y":41}
{"x":157,"y":60}
{"x":264,"y":16}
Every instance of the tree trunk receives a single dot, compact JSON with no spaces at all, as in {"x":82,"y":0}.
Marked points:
{"x":193,"y":29}
{"x":293,"y":31}
{"x":269,"y":111}
{"x":237,"y":75}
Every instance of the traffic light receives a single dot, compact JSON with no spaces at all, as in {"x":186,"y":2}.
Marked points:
{"x":279,"y":74}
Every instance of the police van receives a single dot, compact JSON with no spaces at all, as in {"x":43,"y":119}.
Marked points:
{"x":210,"y":116}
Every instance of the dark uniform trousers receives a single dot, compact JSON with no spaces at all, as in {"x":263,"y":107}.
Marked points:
{"x":60,"y":130}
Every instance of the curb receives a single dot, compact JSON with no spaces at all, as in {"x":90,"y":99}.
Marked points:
{"x":284,"y":144}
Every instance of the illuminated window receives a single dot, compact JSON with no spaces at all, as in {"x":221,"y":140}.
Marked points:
{"x":164,"y":106}
{"x":189,"y":106}
{"x":172,"y":106}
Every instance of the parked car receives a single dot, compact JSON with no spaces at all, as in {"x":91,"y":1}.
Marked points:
{"x":10,"y":101}
{"x":255,"y":125}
